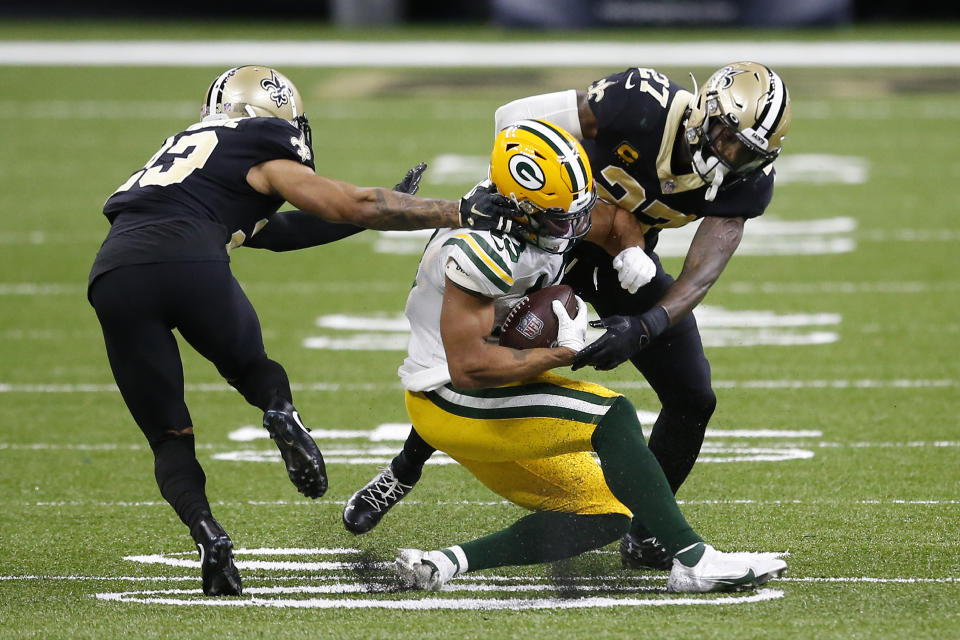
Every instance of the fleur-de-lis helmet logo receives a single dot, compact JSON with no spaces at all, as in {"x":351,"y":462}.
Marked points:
{"x":277,"y":90}
{"x":725,"y":77}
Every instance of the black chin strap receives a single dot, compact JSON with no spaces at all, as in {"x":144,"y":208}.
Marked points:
{"x":304,"y":126}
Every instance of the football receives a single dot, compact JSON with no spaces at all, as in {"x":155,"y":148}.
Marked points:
{"x":531,"y":322}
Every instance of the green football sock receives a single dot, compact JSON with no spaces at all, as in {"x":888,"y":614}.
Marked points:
{"x":544,"y":536}
{"x":636,"y":479}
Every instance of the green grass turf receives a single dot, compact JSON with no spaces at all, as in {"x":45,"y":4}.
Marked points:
{"x":870,"y":520}
{"x":222,"y":28}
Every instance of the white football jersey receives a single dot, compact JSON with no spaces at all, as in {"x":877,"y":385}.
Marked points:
{"x":489,"y":263}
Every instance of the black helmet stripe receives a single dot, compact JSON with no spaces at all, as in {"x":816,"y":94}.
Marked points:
{"x":215,"y":93}
{"x":776,"y":104}
{"x":556,"y":140}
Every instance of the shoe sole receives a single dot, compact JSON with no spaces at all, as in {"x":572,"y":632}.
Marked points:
{"x":305,"y":468}
{"x":770,"y":575}
{"x":728,"y":586}
{"x":757,"y":581}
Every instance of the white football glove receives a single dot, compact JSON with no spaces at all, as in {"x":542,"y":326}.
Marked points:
{"x":635,"y":268}
{"x":571,"y":332}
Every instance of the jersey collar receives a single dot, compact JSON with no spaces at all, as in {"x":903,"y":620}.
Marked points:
{"x":687,"y":181}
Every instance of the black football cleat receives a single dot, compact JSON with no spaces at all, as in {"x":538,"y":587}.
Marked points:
{"x":298,"y":450}
{"x":217,"y":571}
{"x":367,"y":506}
{"x":646,"y":553}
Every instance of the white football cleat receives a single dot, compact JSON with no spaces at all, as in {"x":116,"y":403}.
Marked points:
{"x":718,"y":571}
{"x":427,"y":570}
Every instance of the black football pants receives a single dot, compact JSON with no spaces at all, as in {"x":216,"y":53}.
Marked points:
{"x":139,"y":306}
{"x":674,"y":364}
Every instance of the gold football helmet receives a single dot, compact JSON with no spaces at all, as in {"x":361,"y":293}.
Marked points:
{"x":546,"y":172}
{"x":252,"y":91}
{"x":736,"y":123}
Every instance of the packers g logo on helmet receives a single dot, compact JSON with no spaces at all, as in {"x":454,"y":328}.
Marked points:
{"x":744,"y":108}
{"x":526,"y":172}
{"x":545,"y":171}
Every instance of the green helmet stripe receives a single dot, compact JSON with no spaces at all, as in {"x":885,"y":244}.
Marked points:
{"x":572,"y":162}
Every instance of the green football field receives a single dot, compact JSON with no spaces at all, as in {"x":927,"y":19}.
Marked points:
{"x":833,"y":337}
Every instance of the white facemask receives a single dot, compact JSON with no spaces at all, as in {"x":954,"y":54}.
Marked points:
{"x":711,"y":171}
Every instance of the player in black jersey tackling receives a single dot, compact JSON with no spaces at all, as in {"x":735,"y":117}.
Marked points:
{"x":164,"y":265}
{"x":668,"y":156}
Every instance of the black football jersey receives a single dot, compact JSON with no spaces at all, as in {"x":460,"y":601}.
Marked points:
{"x":202,"y":173}
{"x":191,"y":201}
{"x":639,"y":114}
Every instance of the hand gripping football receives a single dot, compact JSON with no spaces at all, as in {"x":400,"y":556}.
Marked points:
{"x":531,"y":322}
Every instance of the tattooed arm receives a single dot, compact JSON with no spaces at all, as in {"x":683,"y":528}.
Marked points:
{"x":342,"y":202}
{"x":710,"y":250}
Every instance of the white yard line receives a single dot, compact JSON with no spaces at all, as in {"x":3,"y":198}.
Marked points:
{"x":452,"y":54}
{"x":474,"y":578}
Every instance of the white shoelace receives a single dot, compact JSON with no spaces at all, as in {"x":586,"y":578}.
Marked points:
{"x":385,"y":491}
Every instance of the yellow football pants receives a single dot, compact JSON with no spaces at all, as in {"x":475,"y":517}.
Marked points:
{"x":528,"y":442}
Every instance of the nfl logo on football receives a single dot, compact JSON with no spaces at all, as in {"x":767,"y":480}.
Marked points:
{"x":530,"y":326}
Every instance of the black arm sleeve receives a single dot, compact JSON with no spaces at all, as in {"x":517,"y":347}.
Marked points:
{"x":291,"y":230}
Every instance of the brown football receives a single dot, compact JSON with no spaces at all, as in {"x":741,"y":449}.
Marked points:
{"x":531,"y":322}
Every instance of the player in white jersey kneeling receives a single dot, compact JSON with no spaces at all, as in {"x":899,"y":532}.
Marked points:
{"x":525,"y":433}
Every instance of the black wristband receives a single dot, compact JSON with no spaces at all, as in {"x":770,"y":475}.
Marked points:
{"x":655,"y":321}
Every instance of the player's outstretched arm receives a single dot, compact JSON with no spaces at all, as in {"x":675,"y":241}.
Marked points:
{"x":342,"y":202}
{"x":465,"y":323}
{"x":293,"y":230}
{"x":569,"y":110}
{"x":368,"y":207}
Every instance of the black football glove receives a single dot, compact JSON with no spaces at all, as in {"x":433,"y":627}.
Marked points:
{"x":484,"y":209}
{"x":621,"y":340}
{"x":411,"y":182}
{"x":624,"y":338}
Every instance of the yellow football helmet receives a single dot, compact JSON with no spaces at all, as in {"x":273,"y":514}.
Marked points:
{"x":546,"y":172}
{"x":736,"y":123}
{"x":252,"y":91}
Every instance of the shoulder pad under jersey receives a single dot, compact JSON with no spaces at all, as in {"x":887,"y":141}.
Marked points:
{"x":634,"y":100}
{"x":747,"y":199}
{"x":276,"y":138}
{"x":485,"y":269}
